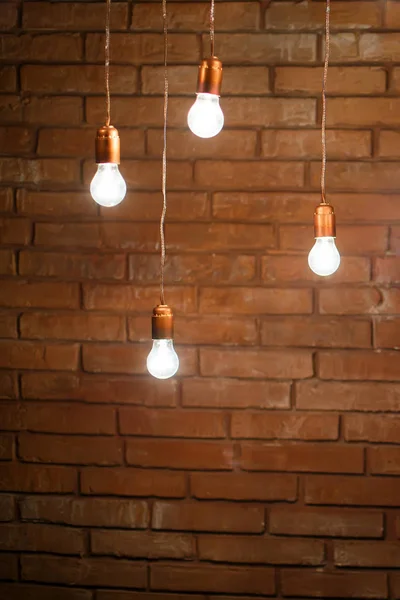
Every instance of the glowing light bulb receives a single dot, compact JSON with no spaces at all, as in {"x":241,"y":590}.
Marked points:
{"x":324,"y":257}
{"x":163,"y":361}
{"x":205,"y":118}
{"x":108,"y":187}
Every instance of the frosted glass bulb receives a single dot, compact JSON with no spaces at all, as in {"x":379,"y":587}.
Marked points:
{"x":205,"y":118}
{"x":324,"y":257}
{"x":108,"y":187}
{"x":163,"y":361}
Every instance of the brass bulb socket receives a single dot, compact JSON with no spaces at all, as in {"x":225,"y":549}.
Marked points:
{"x":107,"y":145}
{"x":162,"y":323}
{"x":210,"y":76}
{"x":324,"y":221}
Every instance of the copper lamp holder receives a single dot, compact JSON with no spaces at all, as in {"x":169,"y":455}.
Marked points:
{"x":107,"y":146}
{"x":324,"y":221}
{"x":210,"y":76}
{"x":162,"y":323}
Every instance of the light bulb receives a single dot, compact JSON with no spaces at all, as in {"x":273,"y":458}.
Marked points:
{"x":163,"y":361}
{"x":205,"y":118}
{"x":108,"y":187}
{"x":324,"y":257}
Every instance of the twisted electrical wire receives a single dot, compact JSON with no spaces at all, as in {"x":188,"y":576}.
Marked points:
{"x":164,"y":154}
{"x":212,"y":26}
{"x":107,"y":62}
{"x":324,"y":81}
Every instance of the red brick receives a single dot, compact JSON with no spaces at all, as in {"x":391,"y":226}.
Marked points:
{"x":325,"y":332}
{"x":201,"y":330}
{"x":360,"y":396}
{"x":70,"y":418}
{"x":308,"y":521}
{"x":371,"y":428}
{"x":180,"y":454}
{"x":130,"y":358}
{"x":289,"y":268}
{"x":392,"y":14}
{"x":8,"y":385}
{"x":342,"y":80}
{"x":359,"y":365}
{"x":359,"y":301}
{"x":9,"y":16}
{"x":245,"y":549}
{"x":41,"y":538}
{"x":42,"y":47}
{"x":66,"y":79}
{"x":140,"y":544}
{"x":209,"y":578}
{"x":384,"y":460}
{"x":244,"y":486}
{"x":238,"y":81}
{"x":85,"y":571}
{"x":72,"y":266}
{"x":7,"y":508}
{"x":55,"y":204}
{"x":328,"y":458}
{"x":300,"y":426}
{"x":352,"y":491}
{"x":234,"y":393}
{"x":270,"y":112}
{"x":7,"y":262}
{"x":365,"y":207}
{"x":8,"y":77}
{"x":395,"y":239}
{"x":182,"y":206}
{"x":9,"y":567}
{"x":378,"y":47}
{"x":242,"y":300}
{"x":16,"y":140}
{"x":8,"y":326}
{"x":98,"y":389}
{"x":79,"y":326}
{"x":363,"y":112}
{"x":120,"y":595}
{"x":6,"y":200}
{"x":257,"y":364}
{"x":96,"y":512}
{"x":367,"y":554}
{"x":11,"y":109}
{"x":133,"y":298}
{"x":171,"y":423}
{"x":193,"y":268}
{"x":19,"y":477}
{"x":6,"y":449}
{"x":38,"y":592}
{"x":132,"y":482}
{"x":15,"y":231}
{"x":43,"y":171}
{"x":79,"y":142}
{"x":257,"y":206}
{"x":270,"y":175}
{"x":396,"y":585}
{"x":82,"y":15}
{"x":280,"y":48}
{"x":358,"y":175}
{"x":12,"y":416}
{"x":38,"y":355}
{"x":53,"y":110}
{"x":395,"y":84}
{"x":182,"y":144}
{"x":306,"y":143}
{"x":196,"y":516}
{"x":350,"y":584}
{"x":70,"y":449}
{"x":196,"y":15}
{"x":389,"y":144}
{"x":353,"y":240}
{"x":387,"y":269}
{"x":345,"y":15}
{"x":144,"y":48}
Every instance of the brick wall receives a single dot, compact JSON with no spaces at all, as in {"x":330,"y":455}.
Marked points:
{"x":270,"y":466}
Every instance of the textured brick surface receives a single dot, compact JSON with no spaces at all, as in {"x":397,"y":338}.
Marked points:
{"x":270,"y":466}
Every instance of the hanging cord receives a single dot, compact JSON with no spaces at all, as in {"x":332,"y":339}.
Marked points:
{"x":107,"y":62}
{"x":164,"y":154}
{"x":212,"y":26}
{"x":324,"y":80}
